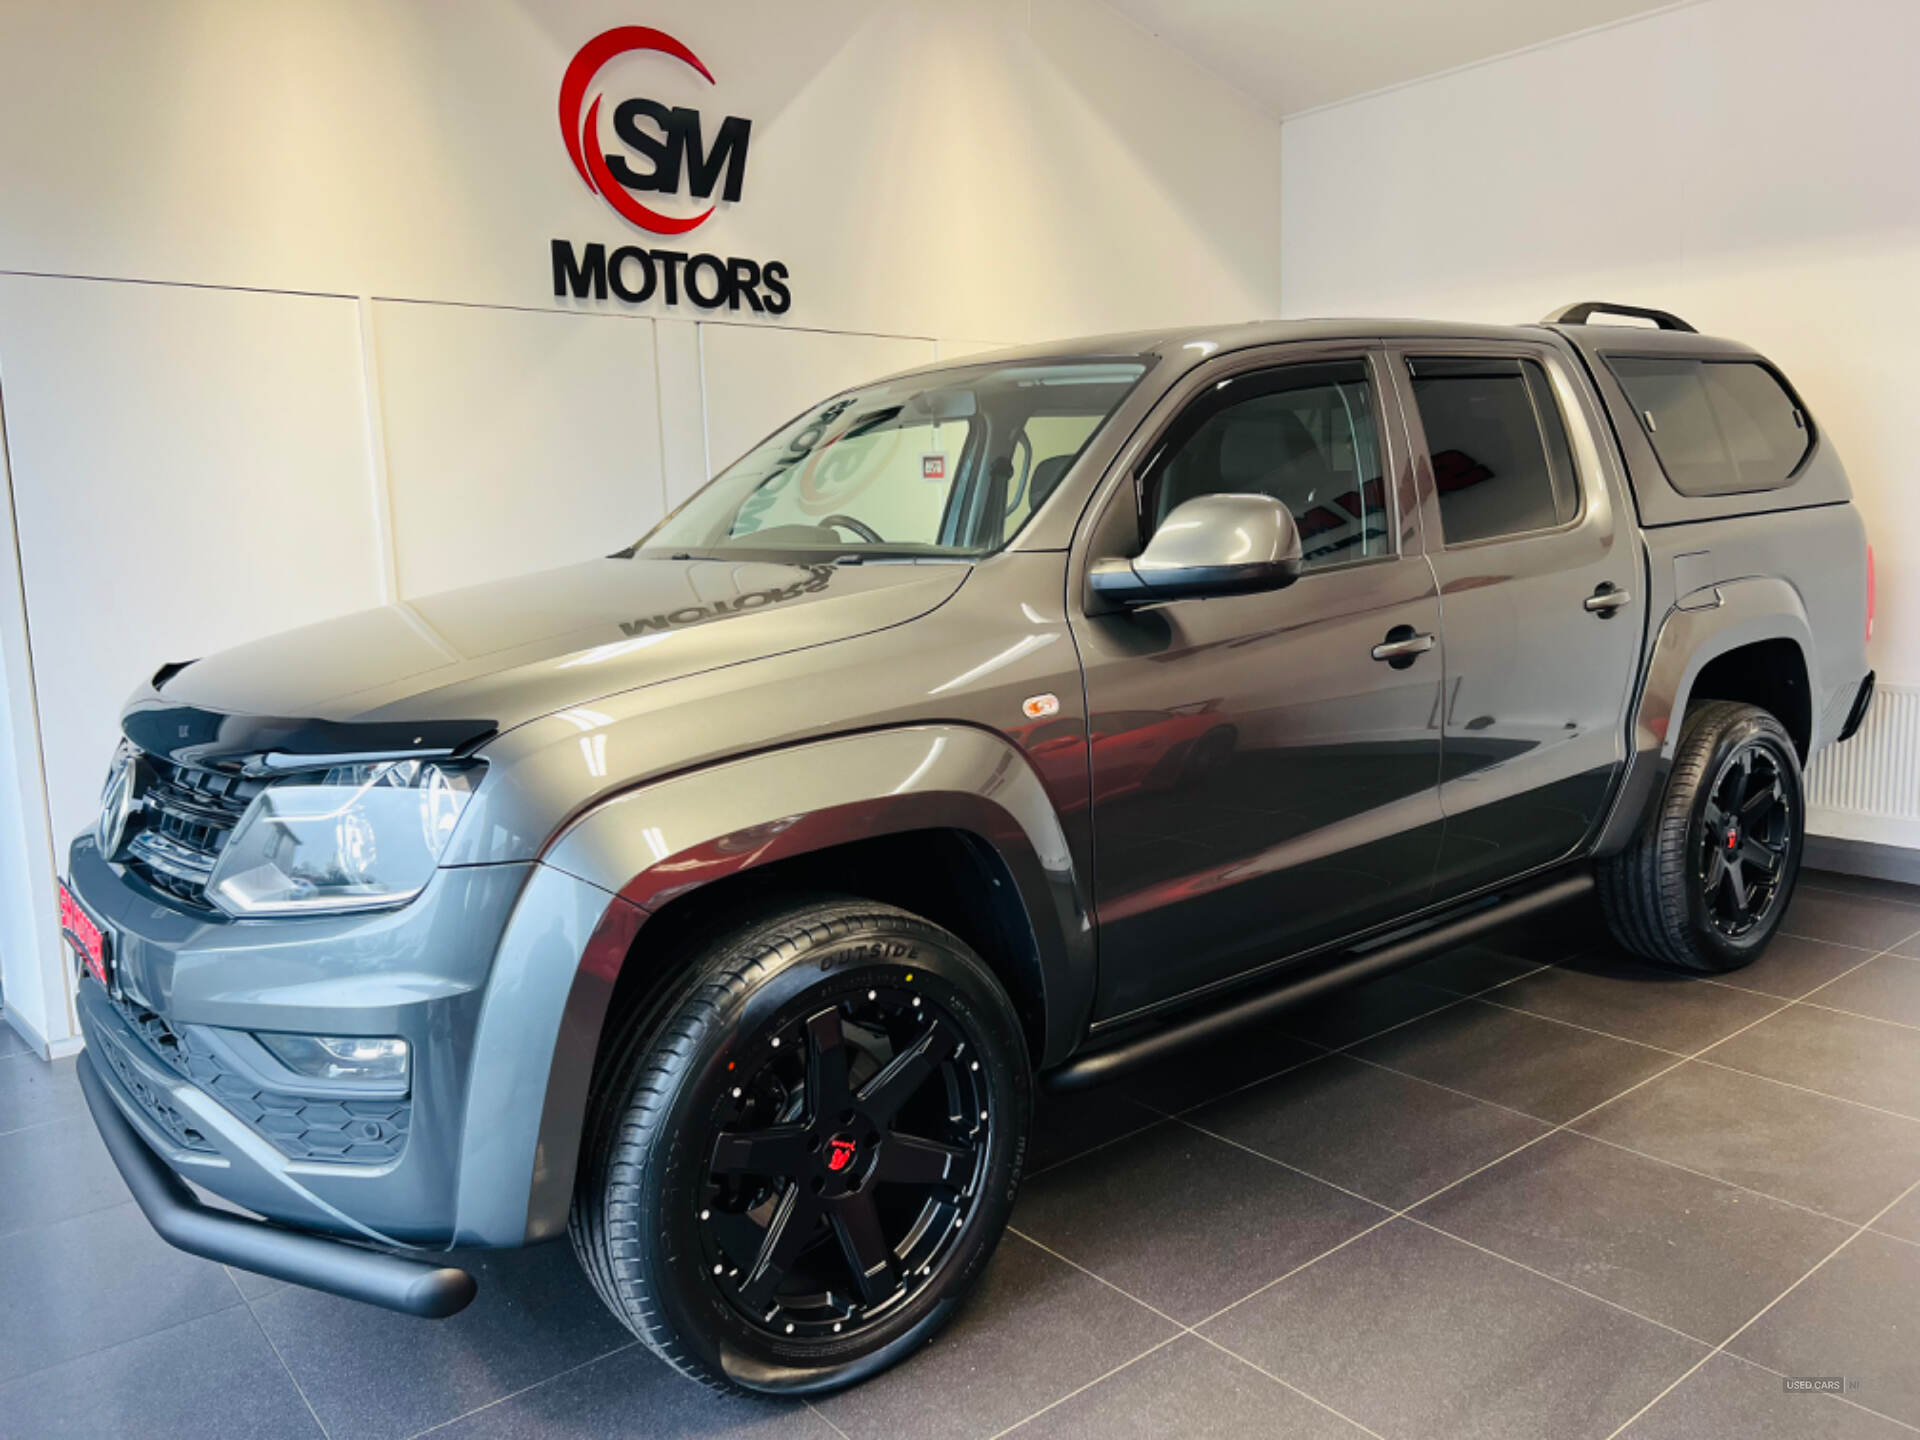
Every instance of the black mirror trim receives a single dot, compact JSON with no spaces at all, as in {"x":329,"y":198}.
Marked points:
{"x":1122,"y":582}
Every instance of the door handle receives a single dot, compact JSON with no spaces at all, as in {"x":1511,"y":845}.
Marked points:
{"x":1403,"y":646}
{"x":1606,"y":599}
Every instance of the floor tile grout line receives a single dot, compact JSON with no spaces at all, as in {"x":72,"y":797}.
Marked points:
{"x":524,"y":1389}
{"x":1680,"y":1058}
{"x":1783,"y":1003}
{"x":1282,"y":1164}
{"x":1405,"y":1212}
{"x":1807,"y":1089}
{"x":1183,"y":1331}
{"x":1321,"y":1052}
{"x":1098,"y":1379}
{"x":38,"y":1125}
{"x":1818,"y":888}
{"x":1457,"y":999}
{"x":1814,"y":1211}
{"x":1806,"y":1000}
{"x":1303,"y":1265}
{"x":1718,"y":982}
{"x":1449,"y":1089}
{"x":1782,"y":1375}
{"x":1557,"y":1280}
{"x":1876,"y":955}
{"x":1288,"y":1384}
{"x":1044,"y":1248}
{"x":1759,"y":1314}
{"x":1155,"y":1123}
{"x":1594,"y":1030}
{"x":1859,"y":1014}
{"x":1540,"y":1120}
{"x":1822,"y":940}
{"x":1498,"y":1160}
{"x":274,"y":1346}
{"x":820,"y":1415}
{"x":25,"y":1375}
{"x":63,"y":1219}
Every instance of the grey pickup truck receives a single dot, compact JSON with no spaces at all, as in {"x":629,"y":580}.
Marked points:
{"x":721,"y":903}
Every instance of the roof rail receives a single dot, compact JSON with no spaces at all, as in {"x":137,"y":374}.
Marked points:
{"x":1577,"y":315}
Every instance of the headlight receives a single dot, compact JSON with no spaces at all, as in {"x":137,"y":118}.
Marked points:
{"x":359,"y":837}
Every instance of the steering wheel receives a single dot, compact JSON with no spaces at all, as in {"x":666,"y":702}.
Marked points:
{"x":859,"y":527}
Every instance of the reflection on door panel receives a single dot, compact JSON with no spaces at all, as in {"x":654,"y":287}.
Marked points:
{"x":1261,"y":784}
{"x":1532,"y":720}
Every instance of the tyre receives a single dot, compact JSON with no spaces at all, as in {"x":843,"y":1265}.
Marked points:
{"x":793,"y":1171}
{"x":1704,"y":884}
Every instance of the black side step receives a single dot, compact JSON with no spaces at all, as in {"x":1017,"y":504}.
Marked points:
{"x":1096,"y":1067}
{"x":394,"y":1282}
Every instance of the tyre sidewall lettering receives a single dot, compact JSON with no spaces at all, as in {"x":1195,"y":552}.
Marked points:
{"x":1753,"y":729}
{"x":812,"y":977}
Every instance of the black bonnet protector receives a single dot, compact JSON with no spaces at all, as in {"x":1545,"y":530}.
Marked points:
{"x":209,"y":739}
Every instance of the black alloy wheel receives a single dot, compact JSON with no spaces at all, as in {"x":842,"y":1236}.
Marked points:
{"x":1704,"y":884}
{"x":843,"y":1161}
{"x":797,"y":1162}
{"x":1747,"y":829}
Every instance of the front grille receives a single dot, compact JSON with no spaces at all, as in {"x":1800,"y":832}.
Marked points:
{"x":159,"y":1107}
{"x":187,"y":815}
{"x":301,"y":1127}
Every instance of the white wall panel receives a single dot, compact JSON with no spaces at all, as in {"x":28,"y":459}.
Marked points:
{"x":1003,"y":167}
{"x":683,"y":408}
{"x":757,"y":379}
{"x":189,"y":471}
{"x":31,"y":968}
{"x":516,"y":440}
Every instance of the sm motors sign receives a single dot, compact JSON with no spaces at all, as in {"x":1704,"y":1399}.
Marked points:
{"x":664,"y":169}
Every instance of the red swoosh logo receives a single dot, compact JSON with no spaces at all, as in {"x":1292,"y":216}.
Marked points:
{"x":574,"y":127}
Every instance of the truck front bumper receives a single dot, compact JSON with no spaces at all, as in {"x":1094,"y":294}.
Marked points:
{"x":377,"y":1278}
{"x":173,"y":1045}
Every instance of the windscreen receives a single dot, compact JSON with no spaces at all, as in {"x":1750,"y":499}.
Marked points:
{"x":940,"y":464}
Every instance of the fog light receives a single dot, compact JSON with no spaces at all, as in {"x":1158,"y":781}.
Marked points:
{"x":341,"y":1057}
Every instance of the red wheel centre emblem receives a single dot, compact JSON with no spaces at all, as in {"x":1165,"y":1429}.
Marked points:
{"x":839,"y":1153}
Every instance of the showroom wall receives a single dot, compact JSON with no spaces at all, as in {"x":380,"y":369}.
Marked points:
{"x":279,"y":331}
{"x":1743,"y":163}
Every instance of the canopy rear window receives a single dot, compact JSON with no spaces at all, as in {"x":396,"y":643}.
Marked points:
{"x":1720,"y":427}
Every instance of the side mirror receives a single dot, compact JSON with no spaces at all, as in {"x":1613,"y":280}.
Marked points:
{"x":1211,"y":545}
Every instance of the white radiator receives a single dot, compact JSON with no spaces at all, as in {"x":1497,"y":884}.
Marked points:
{"x":1869,"y":788}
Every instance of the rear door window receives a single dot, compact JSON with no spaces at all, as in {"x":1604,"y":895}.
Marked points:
{"x":1501,"y":460}
{"x":1720,"y":427}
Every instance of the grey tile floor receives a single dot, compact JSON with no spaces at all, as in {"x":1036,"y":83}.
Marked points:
{"x":1526,"y":1189}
